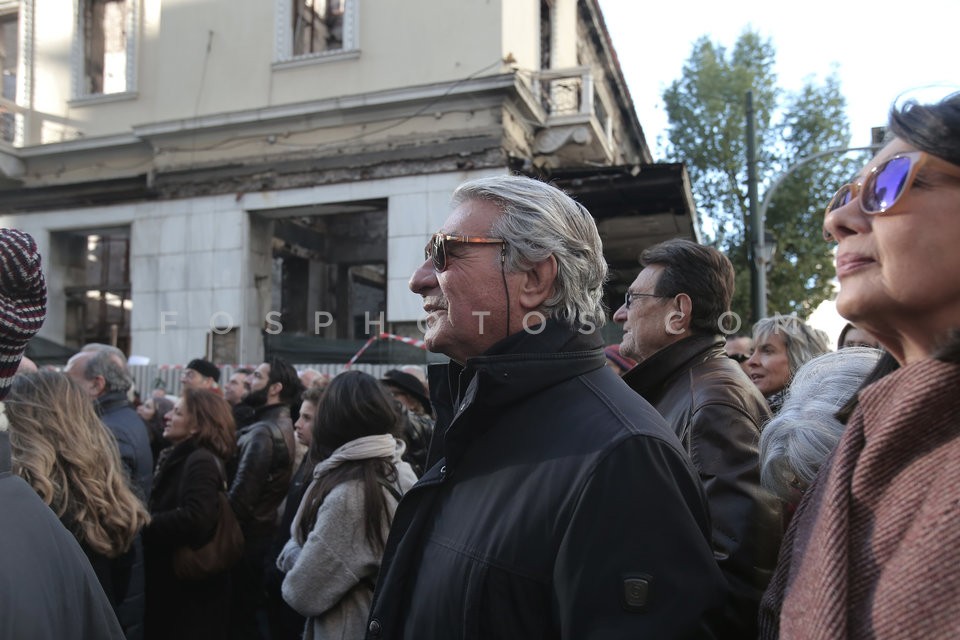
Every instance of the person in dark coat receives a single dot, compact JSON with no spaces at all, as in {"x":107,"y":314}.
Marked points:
{"x":671,"y":320}
{"x":285,"y":623}
{"x":101,"y":371}
{"x":71,"y":460}
{"x":557,"y":503}
{"x":266,"y":452}
{"x":48,"y":589}
{"x":152,"y":411}
{"x":184,"y":508}
{"x":418,"y":416}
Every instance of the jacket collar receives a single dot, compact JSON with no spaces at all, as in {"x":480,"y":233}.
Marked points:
{"x":110,"y":401}
{"x":519,"y":365}
{"x":269,"y":413}
{"x":173,"y":456}
{"x":650,"y":375}
{"x":515,"y":368}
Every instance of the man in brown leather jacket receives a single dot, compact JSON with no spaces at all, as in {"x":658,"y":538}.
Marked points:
{"x":672,"y":320}
{"x":265,"y":457}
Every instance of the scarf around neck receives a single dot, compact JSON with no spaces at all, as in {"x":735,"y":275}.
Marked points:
{"x":874,"y":548}
{"x":381,"y":446}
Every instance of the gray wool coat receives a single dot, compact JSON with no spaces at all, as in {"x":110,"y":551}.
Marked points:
{"x":330,"y":579}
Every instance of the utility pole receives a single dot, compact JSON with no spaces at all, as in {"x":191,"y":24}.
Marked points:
{"x":755,"y":247}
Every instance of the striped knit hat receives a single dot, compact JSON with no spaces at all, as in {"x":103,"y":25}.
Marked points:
{"x":23,"y":300}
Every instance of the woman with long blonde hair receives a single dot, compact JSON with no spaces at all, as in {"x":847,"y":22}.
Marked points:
{"x":60,"y":447}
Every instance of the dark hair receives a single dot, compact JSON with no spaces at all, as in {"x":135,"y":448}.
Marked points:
{"x":701,"y":272}
{"x":934,"y":128}
{"x":162,"y":407}
{"x":354,"y":405}
{"x":847,"y":328}
{"x":213,"y":418}
{"x":283,"y":372}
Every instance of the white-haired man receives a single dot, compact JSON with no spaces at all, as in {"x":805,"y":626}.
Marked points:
{"x":557,"y":503}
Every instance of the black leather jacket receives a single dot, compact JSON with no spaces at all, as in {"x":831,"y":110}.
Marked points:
{"x":264,"y":467}
{"x":717,"y":413}
{"x":556,"y":498}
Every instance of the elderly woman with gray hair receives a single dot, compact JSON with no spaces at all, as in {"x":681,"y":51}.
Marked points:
{"x":797,"y":440}
{"x":781,"y":345}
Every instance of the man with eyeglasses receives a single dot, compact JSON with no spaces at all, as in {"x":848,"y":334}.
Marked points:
{"x":672,"y":320}
{"x":556,"y":502}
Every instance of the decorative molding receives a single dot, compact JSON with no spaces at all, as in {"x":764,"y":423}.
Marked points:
{"x":25,"y":71}
{"x":100,"y":98}
{"x":474,"y":89}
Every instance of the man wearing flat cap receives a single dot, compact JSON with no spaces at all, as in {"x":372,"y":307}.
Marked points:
{"x":418,"y":413}
{"x":200,"y":374}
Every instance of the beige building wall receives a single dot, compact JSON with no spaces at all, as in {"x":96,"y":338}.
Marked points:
{"x":222,"y":134}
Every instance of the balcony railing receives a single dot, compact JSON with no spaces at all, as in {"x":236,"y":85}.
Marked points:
{"x":568,"y":96}
{"x":11,"y":120}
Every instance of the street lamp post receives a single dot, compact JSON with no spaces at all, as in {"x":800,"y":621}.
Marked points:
{"x":759,"y":254}
{"x":758,"y":276}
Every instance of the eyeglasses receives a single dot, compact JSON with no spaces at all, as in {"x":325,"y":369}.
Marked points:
{"x":631,"y":296}
{"x":884,"y":185}
{"x":739,"y":357}
{"x":436,"y":249}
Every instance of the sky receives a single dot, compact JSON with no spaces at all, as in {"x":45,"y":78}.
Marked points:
{"x":880,"y":49}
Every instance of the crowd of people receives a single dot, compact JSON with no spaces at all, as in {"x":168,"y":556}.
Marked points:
{"x":681,"y":483}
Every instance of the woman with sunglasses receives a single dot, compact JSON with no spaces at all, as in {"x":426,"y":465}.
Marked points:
{"x":874,"y":546}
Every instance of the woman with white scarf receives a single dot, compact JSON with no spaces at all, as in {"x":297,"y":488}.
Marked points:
{"x":338,"y":535}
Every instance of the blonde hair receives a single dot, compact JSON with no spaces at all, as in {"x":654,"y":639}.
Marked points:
{"x":71,"y":460}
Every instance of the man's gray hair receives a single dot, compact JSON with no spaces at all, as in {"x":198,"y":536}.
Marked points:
{"x":104,"y":363}
{"x":794,"y":444}
{"x":803,"y":342}
{"x":538,"y":221}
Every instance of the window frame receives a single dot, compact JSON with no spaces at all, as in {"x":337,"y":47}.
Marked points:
{"x":79,"y":93}
{"x":284,"y":36}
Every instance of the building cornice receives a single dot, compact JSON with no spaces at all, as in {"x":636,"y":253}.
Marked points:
{"x":360,"y":102}
{"x":424,"y":98}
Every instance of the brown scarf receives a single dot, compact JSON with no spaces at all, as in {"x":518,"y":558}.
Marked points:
{"x":874,"y":548}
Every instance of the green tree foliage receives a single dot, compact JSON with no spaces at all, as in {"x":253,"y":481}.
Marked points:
{"x":707,"y":130}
